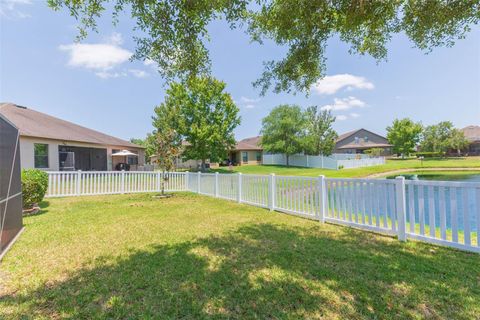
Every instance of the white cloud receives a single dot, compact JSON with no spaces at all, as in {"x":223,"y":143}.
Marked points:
{"x":341,"y":117}
{"x":331,"y":84}
{"x":115,"y":39}
{"x":249,"y":100}
{"x":249,"y":106}
{"x":344,"y":104}
{"x":10,"y":8}
{"x":101,"y":56}
{"x":354,"y":115}
{"x":138,"y":73}
{"x":109,"y":75}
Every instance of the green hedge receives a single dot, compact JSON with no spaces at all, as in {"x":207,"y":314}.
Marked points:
{"x":430,"y":154}
{"x":34,"y":187}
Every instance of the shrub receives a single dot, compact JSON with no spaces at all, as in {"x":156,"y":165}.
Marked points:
{"x":34,"y":186}
{"x":374,"y":152}
{"x":430,"y":154}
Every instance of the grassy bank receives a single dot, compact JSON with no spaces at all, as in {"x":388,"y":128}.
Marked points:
{"x":391,"y":165}
{"x":131,"y":256}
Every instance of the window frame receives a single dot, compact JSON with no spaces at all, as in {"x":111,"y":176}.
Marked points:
{"x":36,"y":164}
{"x":258,"y":156}
{"x":244,"y":156}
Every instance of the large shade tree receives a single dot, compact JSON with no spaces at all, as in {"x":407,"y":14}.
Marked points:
{"x":404,"y":135}
{"x":320,"y":138}
{"x":205,"y":118}
{"x":283,"y":131}
{"x":174,"y":33}
{"x":443,"y":137}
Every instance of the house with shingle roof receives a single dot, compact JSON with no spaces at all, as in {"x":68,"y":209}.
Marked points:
{"x":250,"y":151}
{"x":472,"y":133}
{"x":247,"y":151}
{"x":53,"y":144}
{"x":357,"y":141}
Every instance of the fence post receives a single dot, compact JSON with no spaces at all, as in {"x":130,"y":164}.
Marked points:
{"x":216,"y":184}
{"x":77,"y":185}
{"x":322,"y":198}
{"x":123,"y":182}
{"x":187,"y":186}
{"x":239,"y":188}
{"x":401,"y":214}
{"x":271,"y":192}
{"x":157,"y":185}
{"x":198,"y":181}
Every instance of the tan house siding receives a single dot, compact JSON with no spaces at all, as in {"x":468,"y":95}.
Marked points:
{"x":361,"y":140}
{"x":27,"y":152}
{"x":251,"y":157}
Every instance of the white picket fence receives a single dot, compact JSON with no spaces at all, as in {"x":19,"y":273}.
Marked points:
{"x":334,"y":162}
{"x":67,"y":183}
{"x":445,"y":213}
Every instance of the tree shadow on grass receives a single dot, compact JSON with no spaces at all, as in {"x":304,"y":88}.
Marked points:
{"x":268,"y":271}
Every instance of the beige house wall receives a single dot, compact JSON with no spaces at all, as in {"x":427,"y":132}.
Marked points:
{"x":27,"y":152}
{"x":252,"y":157}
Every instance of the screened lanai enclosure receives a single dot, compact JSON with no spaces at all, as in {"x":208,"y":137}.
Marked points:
{"x":10,"y":184}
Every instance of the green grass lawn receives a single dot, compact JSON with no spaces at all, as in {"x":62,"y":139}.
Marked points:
{"x":470,"y":162}
{"x":193,"y":257}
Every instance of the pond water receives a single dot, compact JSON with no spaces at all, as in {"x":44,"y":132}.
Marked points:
{"x":438,"y":176}
{"x":472,"y":202}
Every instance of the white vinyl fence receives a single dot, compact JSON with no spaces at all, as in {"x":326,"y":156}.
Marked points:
{"x":445,"y":213}
{"x":334,"y":162}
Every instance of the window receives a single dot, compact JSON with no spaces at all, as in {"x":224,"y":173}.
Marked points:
{"x":365,"y":139}
{"x":244,"y":156}
{"x":132,"y":160}
{"x":259,"y":156}
{"x":357,"y":140}
{"x":40,"y":155}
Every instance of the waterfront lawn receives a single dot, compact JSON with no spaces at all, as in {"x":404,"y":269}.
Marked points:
{"x":391,"y":165}
{"x":131,"y":257}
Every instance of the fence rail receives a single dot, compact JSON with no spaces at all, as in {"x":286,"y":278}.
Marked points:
{"x":445,"y":213}
{"x":335,"y":161}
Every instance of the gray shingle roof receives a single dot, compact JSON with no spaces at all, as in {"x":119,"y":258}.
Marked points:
{"x":472,"y":133}
{"x":252,"y":143}
{"x":32,"y":123}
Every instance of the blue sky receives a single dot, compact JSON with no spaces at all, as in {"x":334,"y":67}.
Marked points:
{"x":95,"y":85}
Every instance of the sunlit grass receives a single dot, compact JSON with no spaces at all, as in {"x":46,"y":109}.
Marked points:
{"x":470,"y":162}
{"x":194,"y":257}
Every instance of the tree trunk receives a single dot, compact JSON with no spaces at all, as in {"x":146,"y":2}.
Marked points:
{"x":163,"y":183}
{"x":203,"y":166}
{"x":288,"y":162}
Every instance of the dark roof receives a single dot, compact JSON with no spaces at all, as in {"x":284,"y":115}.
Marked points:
{"x":472,"y":133}
{"x":252,"y":143}
{"x":32,"y":123}
{"x":350,"y":133}
{"x":365,"y":145}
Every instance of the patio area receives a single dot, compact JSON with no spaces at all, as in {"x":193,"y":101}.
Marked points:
{"x":131,"y":256}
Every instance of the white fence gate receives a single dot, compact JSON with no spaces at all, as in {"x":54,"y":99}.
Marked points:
{"x":445,"y":213}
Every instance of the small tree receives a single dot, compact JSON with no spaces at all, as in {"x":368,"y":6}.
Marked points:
{"x":404,"y":135}
{"x":148,"y":143}
{"x":168,"y":141}
{"x":283,"y":130}
{"x":320,"y":138}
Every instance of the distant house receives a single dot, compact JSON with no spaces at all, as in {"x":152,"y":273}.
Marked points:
{"x":49,"y":143}
{"x":472,"y":133}
{"x":247,"y":151}
{"x":357,"y":141}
